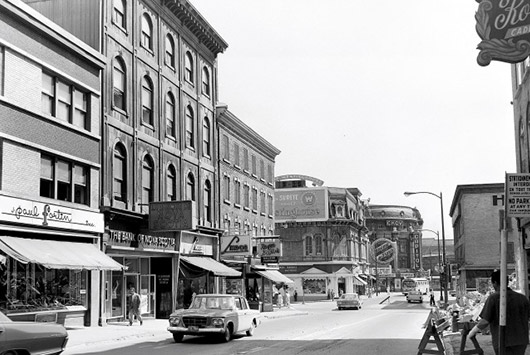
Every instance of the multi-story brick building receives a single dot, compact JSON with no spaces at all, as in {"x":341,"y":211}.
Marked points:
{"x":50,"y":166}
{"x":246,"y":174}
{"x":159,"y":144}
{"x":323,"y":235}
{"x":396,"y":232}
{"x":475,"y":213}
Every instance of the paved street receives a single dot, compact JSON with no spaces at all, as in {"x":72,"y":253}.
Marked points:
{"x":312,"y":328}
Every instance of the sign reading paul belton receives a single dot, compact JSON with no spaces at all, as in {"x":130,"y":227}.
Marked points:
{"x":504,"y":27}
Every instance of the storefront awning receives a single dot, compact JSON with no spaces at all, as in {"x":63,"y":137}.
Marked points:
{"x":358,"y":281}
{"x":275,"y":276}
{"x":54,"y":254}
{"x":212,"y":265}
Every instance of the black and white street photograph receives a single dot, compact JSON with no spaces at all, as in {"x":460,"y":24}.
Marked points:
{"x":229,"y":177}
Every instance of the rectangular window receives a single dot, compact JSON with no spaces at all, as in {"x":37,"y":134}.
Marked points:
{"x":246,"y":196}
{"x":64,"y":101}
{"x":236,"y":154}
{"x":63,"y":180}
{"x":237,"y":192}
{"x":255,"y":199}
{"x":263,"y":202}
{"x":269,"y":174}
{"x":48,"y":94}
{"x":80,"y":109}
{"x":245,"y":158}
{"x":226,"y":147}
{"x":254,"y":168}
{"x":47,"y":177}
{"x":226,"y":188}
{"x":147,"y":107}
{"x":270,"y":203}
{"x":81,"y":185}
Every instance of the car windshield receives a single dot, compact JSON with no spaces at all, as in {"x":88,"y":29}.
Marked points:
{"x":349,"y":296}
{"x":212,"y":302}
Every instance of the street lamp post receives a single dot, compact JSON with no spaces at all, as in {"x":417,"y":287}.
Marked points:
{"x":444,"y":261}
{"x":439,"y":255}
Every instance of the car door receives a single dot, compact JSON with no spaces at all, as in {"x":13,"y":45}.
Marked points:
{"x":245,"y":316}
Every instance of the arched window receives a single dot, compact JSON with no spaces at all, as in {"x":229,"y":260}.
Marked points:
{"x":188,"y":67}
{"x":170,"y":51}
{"x":147,"y":100}
{"x":206,"y":136}
{"x":308,"y":245}
{"x":190,"y":187}
{"x":170,"y":115}
{"x":318,"y":244}
{"x":119,"y":82}
{"x":147,"y":181}
{"x":205,"y":81}
{"x":190,"y":131}
{"x":119,"y":173}
{"x":147,"y":32}
{"x":207,"y":201}
{"x":171,"y":183}
{"x":119,"y":13}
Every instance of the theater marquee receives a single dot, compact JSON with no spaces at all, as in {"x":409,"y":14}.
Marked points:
{"x":504,"y":27}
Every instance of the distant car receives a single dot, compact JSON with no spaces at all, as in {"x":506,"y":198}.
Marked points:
{"x":214,"y":315}
{"x":31,"y":337}
{"x":415,"y":296}
{"x":349,"y":300}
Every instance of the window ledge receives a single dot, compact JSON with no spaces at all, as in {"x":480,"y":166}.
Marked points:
{"x":246,"y":209}
{"x":262,"y":214}
{"x":237,"y":205}
{"x":227,"y":202}
{"x":237,"y":167}
{"x":226,"y":161}
{"x":254,"y":211}
{"x":271,"y":216}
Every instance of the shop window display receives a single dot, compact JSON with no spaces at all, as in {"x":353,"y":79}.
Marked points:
{"x":32,"y":287}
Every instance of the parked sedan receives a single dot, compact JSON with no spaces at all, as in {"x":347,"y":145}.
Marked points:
{"x":214,"y":315}
{"x":415,"y":296}
{"x":31,"y":337}
{"x":349,"y":300}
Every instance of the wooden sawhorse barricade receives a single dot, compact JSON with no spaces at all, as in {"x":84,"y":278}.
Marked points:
{"x":433,"y":331}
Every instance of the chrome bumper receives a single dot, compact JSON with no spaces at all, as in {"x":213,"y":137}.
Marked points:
{"x":182,"y":330}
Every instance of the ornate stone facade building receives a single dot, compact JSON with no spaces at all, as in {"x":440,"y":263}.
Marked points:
{"x":395,"y":234}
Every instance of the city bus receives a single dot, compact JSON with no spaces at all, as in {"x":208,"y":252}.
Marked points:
{"x":415,"y":283}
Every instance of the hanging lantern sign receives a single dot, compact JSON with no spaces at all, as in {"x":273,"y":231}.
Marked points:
{"x":504,"y":27}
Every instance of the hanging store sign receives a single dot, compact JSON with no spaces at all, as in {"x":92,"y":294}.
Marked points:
{"x":504,"y":27}
{"x":197,"y":244}
{"x":23,"y":211}
{"x":269,"y":251}
{"x":417,"y":250}
{"x":518,"y":195}
{"x":235,"y":245}
{"x":172,"y":216}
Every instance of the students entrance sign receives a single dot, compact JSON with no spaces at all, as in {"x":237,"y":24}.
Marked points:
{"x":504,"y":27}
{"x":518,"y":195}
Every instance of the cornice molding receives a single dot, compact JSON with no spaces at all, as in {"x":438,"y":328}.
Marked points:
{"x":197,"y":24}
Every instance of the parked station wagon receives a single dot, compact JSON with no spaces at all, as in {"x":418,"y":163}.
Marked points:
{"x":214,"y":315}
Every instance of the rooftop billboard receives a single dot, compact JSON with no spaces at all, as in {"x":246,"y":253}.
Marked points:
{"x":301,"y":204}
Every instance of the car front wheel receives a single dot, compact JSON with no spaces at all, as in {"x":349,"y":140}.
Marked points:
{"x":250,"y":332}
{"x":178,"y":337}
{"x":227,"y":335}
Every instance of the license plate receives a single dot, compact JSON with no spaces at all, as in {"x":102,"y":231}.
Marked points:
{"x":193,"y":328}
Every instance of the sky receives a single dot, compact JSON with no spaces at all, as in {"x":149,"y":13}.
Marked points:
{"x":382,"y":95}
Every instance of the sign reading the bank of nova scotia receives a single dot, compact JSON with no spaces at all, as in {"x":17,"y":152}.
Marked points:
{"x":504,"y":27}
{"x":518,"y":195}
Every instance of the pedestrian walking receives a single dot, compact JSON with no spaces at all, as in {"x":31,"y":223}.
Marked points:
{"x":287,"y":298}
{"x":134,"y":307}
{"x":517,"y":316}
{"x":431,"y":297}
{"x":295,"y":296}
